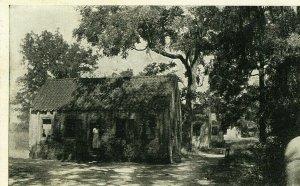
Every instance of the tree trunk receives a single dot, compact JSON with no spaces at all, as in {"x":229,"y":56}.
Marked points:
{"x":262,"y":103}
{"x":189,"y":125}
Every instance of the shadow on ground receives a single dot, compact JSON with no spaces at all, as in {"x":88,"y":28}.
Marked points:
{"x":195,"y":170}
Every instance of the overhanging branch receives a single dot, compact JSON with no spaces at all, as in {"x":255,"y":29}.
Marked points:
{"x":166,"y":54}
{"x":175,"y":56}
{"x":143,"y":49}
{"x":195,"y":59}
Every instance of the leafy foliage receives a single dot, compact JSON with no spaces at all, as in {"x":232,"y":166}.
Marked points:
{"x":45,"y":56}
{"x":182,"y":34}
{"x":263,"y":40}
{"x":117,"y":29}
{"x":127,"y":73}
{"x":251,"y":39}
{"x":157,"y":68}
{"x":123,"y":93}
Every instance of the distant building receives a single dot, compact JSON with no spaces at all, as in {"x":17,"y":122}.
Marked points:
{"x":248,"y":128}
{"x":207,"y":130}
{"x":232,"y":134}
{"x":127,"y":119}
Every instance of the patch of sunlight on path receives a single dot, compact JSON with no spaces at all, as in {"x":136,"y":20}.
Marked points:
{"x":68,"y":171}
{"x":125,"y":170}
{"x":205,"y":182}
{"x":210,"y":155}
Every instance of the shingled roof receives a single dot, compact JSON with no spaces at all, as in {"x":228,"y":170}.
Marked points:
{"x":54,"y":94}
{"x":84,"y":93}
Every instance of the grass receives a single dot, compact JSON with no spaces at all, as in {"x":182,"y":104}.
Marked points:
{"x":18,"y":144}
{"x":256,"y":164}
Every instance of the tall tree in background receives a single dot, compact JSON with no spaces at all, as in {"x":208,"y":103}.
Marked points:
{"x":183,"y":35}
{"x":261,"y":42}
{"x":252,"y":42}
{"x":45,"y":56}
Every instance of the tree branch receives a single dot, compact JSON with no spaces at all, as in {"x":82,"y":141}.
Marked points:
{"x":250,"y":74}
{"x":176,"y":56}
{"x":188,"y":57}
{"x":133,"y":48}
{"x":166,"y":54}
{"x":195,"y":58}
{"x":197,"y":52}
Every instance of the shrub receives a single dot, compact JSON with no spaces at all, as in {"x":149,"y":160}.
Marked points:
{"x":66,"y":150}
{"x":132,"y":152}
{"x":47,"y":150}
{"x":259,"y":164}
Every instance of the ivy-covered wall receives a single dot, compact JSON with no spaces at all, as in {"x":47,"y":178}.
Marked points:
{"x":137,"y":119}
{"x":147,"y":137}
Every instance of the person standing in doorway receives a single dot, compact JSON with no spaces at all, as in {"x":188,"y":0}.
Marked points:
{"x":96,"y":139}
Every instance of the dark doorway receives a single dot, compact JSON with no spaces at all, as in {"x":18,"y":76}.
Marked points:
{"x":72,"y":125}
{"x":125,"y":129}
{"x":96,"y":130}
{"x":121,"y":128}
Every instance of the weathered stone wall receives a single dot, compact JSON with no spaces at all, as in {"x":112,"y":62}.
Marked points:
{"x":175,"y":125}
{"x":158,"y":146}
{"x":36,"y":126}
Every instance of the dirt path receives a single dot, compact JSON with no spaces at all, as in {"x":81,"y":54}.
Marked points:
{"x":196,"y":170}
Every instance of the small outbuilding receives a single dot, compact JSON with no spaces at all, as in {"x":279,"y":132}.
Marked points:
{"x":207,"y":131}
{"x":116,"y":119}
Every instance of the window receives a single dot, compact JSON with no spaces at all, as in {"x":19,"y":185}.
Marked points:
{"x":121,"y":128}
{"x":130,"y":130}
{"x":70,"y":127}
{"x":125,"y":129}
{"x":151,"y":128}
{"x":214,"y":130}
{"x":196,"y":130}
{"x":47,"y":127}
{"x":46,"y":121}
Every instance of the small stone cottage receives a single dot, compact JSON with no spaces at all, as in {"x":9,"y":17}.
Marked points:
{"x":115,"y":119}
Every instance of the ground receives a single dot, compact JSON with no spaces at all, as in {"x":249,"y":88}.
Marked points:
{"x":201,"y":169}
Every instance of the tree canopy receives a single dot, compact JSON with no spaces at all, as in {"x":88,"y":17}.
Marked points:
{"x":157,"y":68}
{"x":253,"y":41}
{"x":182,"y":34}
{"x":261,"y":42}
{"x":48,"y":55}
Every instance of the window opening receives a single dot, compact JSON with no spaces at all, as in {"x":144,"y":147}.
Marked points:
{"x":47,"y":127}
{"x":214,"y":130}
{"x":46,"y":121}
{"x":196,"y":130}
{"x":151,"y":128}
{"x":70,"y":127}
{"x":120,"y":128}
{"x":130,"y":130}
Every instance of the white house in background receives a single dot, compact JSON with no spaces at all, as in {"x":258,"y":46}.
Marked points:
{"x":207,"y":131}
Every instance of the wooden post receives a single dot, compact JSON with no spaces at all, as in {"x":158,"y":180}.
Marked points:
{"x":209,"y":127}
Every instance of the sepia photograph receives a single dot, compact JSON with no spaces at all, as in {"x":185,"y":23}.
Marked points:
{"x":154,"y":95}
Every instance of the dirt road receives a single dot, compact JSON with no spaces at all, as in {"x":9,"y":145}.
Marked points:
{"x":195,"y":170}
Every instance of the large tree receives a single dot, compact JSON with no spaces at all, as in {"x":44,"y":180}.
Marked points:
{"x":181,"y":34}
{"x":48,"y":55}
{"x":261,"y":42}
{"x":252,"y":42}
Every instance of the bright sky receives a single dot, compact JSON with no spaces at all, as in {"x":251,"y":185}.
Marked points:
{"x":24,"y":19}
